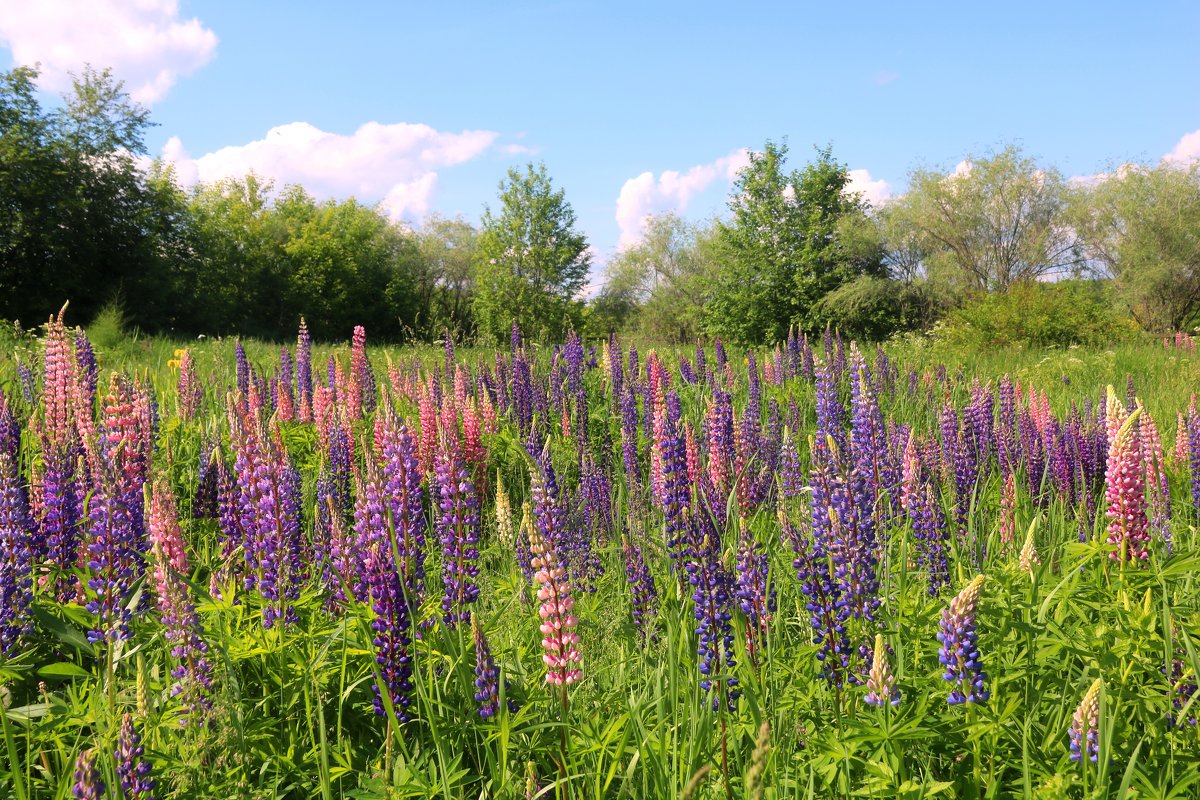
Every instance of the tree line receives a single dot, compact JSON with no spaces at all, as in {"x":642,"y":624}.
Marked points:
{"x":82,"y":219}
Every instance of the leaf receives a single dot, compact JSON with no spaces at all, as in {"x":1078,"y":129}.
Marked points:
{"x":65,"y":670}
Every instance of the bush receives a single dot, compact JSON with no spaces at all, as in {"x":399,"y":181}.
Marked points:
{"x":1039,"y":314}
{"x":873,"y":309}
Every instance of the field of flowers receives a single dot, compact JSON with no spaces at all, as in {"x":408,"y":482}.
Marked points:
{"x":583,"y":571}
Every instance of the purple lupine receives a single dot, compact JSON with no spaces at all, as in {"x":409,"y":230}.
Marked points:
{"x":959,"y":652}
{"x":676,"y":500}
{"x":790,"y":474}
{"x":755,"y":592}
{"x":1193,"y":428}
{"x":403,"y":502}
{"x":242,"y":368}
{"x":132,"y":767}
{"x":929,"y":530}
{"x":711,"y":584}
{"x":1085,"y":725}
{"x":829,"y":408}
{"x":88,"y":783}
{"x":1006,"y":432}
{"x":16,"y":577}
{"x":487,"y":675}
{"x":370,"y":530}
{"x":60,"y":514}
{"x":458,"y":527}
{"x":643,"y":596}
{"x":89,"y":372}
{"x":114,"y":557}
{"x":868,"y":441}
{"x":393,"y":637}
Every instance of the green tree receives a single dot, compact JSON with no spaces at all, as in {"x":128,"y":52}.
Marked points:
{"x":532,"y":262}
{"x":661,"y":284}
{"x":448,"y":250}
{"x":985,"y":225}
{"x":784,"y":248}
{"x":1141,"y":228}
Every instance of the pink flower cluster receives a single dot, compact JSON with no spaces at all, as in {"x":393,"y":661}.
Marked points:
{"x":559,"y":638}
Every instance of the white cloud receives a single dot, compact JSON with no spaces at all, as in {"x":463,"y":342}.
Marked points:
{"x":646,"y":195}
{"x":1186,"y":151}
{"x":395,"y":164}
{"x":144,"y":41}
{"x":874,"y":191}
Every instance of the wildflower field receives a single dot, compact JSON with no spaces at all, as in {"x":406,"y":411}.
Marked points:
{"x":597,"y":570}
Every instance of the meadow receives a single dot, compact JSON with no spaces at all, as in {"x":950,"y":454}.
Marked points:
{"x":597,"y":569}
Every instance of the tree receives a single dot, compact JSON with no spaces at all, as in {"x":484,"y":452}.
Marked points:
{"x":661,"y":284}
{"x":448,"y":251}
{"x":784,"y":248}
{"x":532,"y":262}
{"x":1141,"y":228}
{"x":78,"y":218}
{"x":987,"y":224}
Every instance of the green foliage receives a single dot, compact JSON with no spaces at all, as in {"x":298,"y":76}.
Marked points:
{"x":872,"y":308}
{"x":1040,"y":315}
{"x":985,"y":225}
{"x":783,"y":248}
{"x":1141,"y":227}
{"x":532,"y":262}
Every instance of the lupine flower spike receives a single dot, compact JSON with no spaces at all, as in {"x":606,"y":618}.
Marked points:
{"x":559,"y":640}
{"x":88,"y":783}
{"x":1085,"y":726}
{"x":132,"y":767}
{"x":881,"y":683}
{"x":487,"y":676}
{"x":1029,"y":556}
{"x":960,"y":650}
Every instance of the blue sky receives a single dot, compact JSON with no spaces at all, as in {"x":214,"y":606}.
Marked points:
{"x":635,"y":107}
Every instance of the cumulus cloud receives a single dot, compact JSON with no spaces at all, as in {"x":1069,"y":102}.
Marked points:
{"x":1187,"y":151}
{"x":144,"y":41}
{"x":875,"y":191}
{"x":671,"y":191}
{"x":396,"y":164}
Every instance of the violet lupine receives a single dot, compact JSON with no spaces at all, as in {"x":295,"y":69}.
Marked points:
{"x":114,"y":557}
{"x":868,"y":440}
{"x":959,"y":652}
{"x":242,"y":368}
{"x":1085,"y":725}
{"x":755,"y":592}
{"x":642,"y":594}
{"x":929,"y":530}
{"x":676,"y":497}
{"x":132,"y":767}
{"x":487,"y":675}
{"x":458,"y":527}
{"x":711,"y":585}
{"x":881,"y":682}
{"x":1125,"y":492}
{"x":556,"y":606}
{"x":1193,"y":436}
{"x":16,"y":577}
{"x":88,"y":783}
{"x":403,"y":502}
{"x":829,"y":408}
{"x":393,"y":637}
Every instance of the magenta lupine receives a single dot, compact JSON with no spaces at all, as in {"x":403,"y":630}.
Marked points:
{"x":1125,"y":491}
{"x":1085,"y":725}
{"x":556,"y":610}
{"x":177,"y":610}
{"x":881,"y":682}
{"x":487,"y":676}
{"x":959,"y":652}
{"x":16,"y":576}
{"x":132,"y":767}
{"x":191,"y":391}
{"x":88,"y":783}
{"x":458,"y":528}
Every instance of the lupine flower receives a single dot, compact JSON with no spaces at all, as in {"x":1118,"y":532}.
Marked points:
{"x":756,"y":594}
{"x":304,"y":378}
{"x":711,"y":584}
{"x":132,"y":767}
{"x":559,"y":639}
{"x":959,"y":652}
{"x":1125,"y":490}
{"x":487,"y":676}
{"x":504,"y":518}
{"x":643,"y":595}
{"x":115,"y":558}
{"x":392,"y":626}
{"x":881,"y":683}
{"x":458,"y":526}
{"x":88,"y":783}
{"x":16,"y":579}
{"x":1029,"y":556}
{"x":191,"y":391}
{"x":1085,"y":725}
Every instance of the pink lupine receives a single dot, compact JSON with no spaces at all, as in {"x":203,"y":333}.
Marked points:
{"x":1182,"y":445}
{"x":166,"y":536}
{"x":910,"y":475}
{"x":191,"y":393}
{"x":1125,"y":489}
{"x":428,"y":415}
{"x":1008,"y":507}
{"x":58,"y":383}
{"x":559,"y":639}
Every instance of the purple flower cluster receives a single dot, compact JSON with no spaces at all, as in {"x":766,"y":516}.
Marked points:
{"x":643,"y":595}
{"x":959,"y":652}
{"x":458,"y":527}
{"x":16,"y":578}
{"x":487,"y":675}
{"x":132,"y":767}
